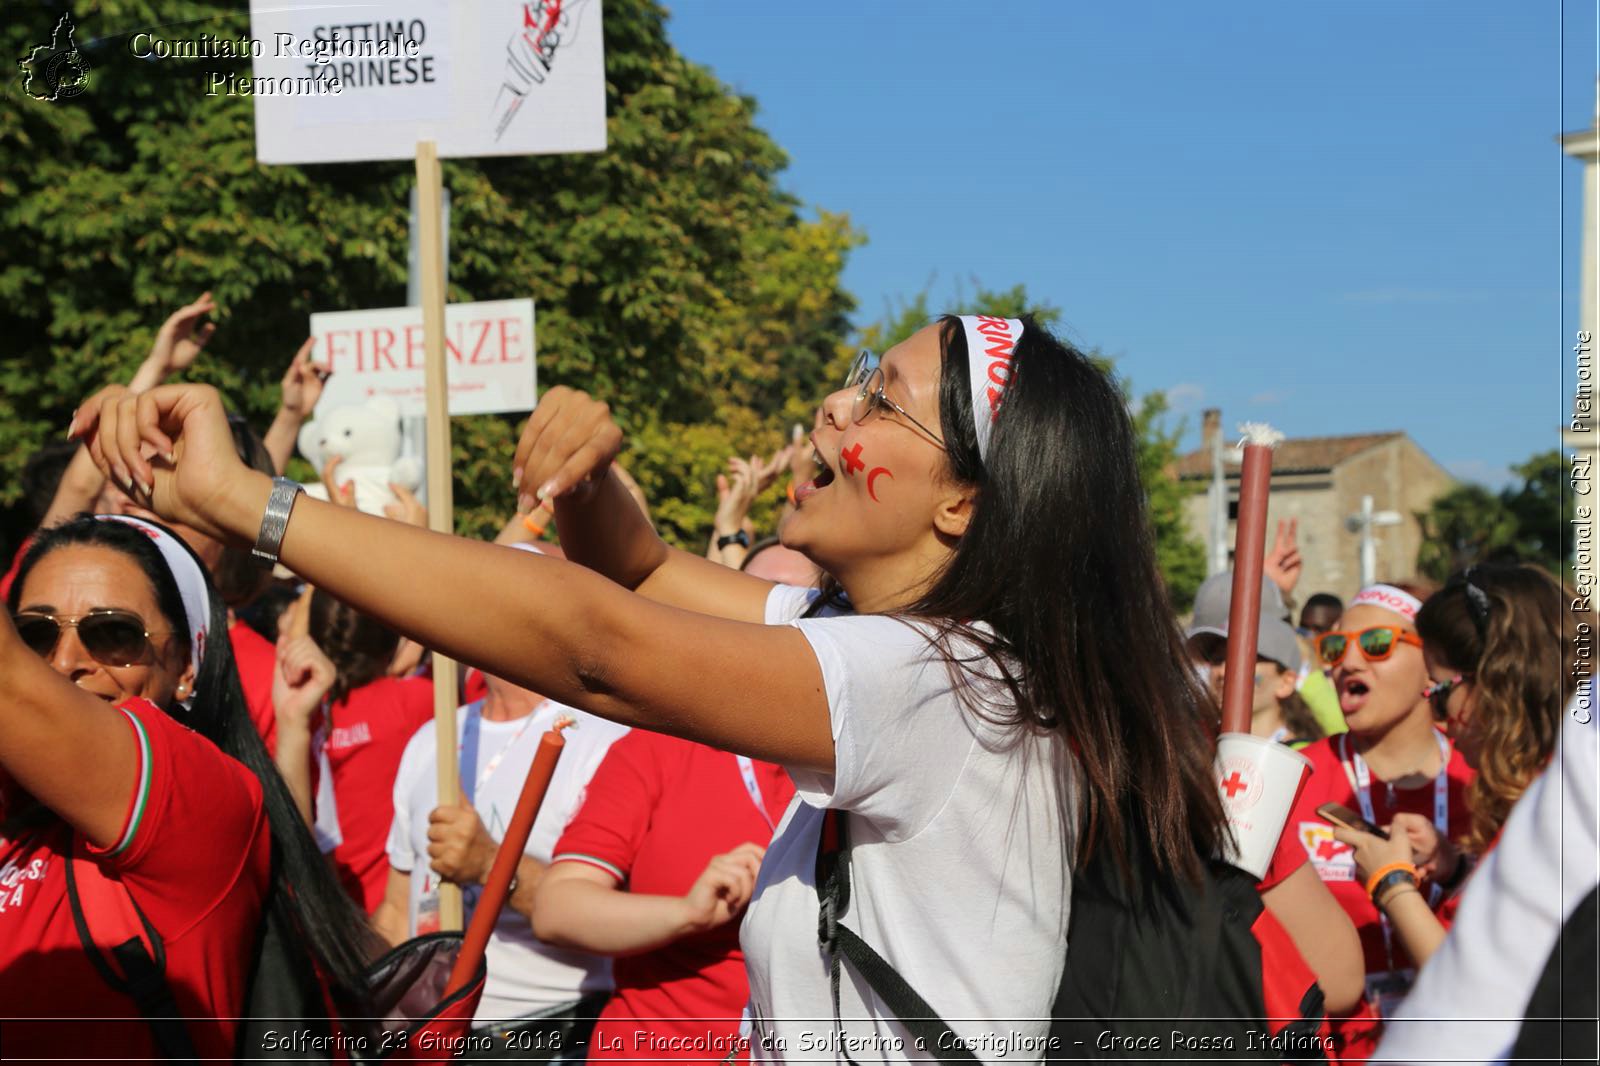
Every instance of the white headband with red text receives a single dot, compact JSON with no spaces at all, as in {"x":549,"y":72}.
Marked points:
{"x":990,"y":342}
{"x":1389,"y":598}
{"x":193,"y":589}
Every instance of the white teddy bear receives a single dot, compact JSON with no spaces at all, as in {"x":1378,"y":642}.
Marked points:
{"x":367,"y":441}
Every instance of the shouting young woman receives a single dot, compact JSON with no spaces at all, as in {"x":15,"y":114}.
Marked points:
{"x":990,"y":687}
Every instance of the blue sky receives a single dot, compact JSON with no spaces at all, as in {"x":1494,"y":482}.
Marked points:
{"x":1340,"y":218}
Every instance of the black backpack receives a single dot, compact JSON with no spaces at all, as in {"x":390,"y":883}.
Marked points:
{"x":1143,"y":963}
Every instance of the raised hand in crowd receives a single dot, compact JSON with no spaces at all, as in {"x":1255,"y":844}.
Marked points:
{"x":566,"y":448}
{"x":730,"y":540}
{"x":1283,"y":563}
{"x":303,"y":677}
{"x":303,"y":382}
{"x":178,"y":343}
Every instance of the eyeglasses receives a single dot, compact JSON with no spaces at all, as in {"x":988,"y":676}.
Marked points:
{"x":1438,"y":695}
{"x":1377,"y":643}
{"x":112,"y":638}
{"x":866,"y":377}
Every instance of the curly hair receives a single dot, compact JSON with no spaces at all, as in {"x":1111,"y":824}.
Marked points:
{"x":1502,"y":626}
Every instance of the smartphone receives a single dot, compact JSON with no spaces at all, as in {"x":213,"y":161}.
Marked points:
{"x":1344,"y":817}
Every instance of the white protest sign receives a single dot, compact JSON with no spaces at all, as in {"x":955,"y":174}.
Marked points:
{"x":341,"y":82}
{"x":489,"y":349}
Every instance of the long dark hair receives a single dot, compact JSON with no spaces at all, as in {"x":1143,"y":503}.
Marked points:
{"x":1502,"y":625}
{"x":1059,"y":562}
{"x":303,"y":894}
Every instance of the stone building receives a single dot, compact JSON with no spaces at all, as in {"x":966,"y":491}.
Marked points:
{"x":1320,"y":481}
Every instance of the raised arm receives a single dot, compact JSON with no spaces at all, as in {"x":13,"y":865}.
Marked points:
{"x":565,"y":454}
{"x":70,"y":750}
{"x":178,"y":343}
{"x":302,"y":388}
{"x":545,"y":624}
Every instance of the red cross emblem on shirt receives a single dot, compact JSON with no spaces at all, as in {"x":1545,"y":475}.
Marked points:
{"x":1329,"y":848}
{"x":1234,"y":784}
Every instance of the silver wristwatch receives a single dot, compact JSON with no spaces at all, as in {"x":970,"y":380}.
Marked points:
{"x":269,"y":541}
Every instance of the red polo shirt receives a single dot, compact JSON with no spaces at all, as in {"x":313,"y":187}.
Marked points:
{"x":366,"y":735}
{"x":657,"y":811}
{"x":194,"y":854}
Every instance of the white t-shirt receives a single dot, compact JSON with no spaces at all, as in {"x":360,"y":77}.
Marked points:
{"x":1469,"y":1000}
{"x":525,"y":976}
{"x":961,"y":859}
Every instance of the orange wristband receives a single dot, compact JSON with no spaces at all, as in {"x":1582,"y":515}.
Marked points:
{"x":789,"y":492}
{"x":1386,"y":869}
{"x":531,"y":526}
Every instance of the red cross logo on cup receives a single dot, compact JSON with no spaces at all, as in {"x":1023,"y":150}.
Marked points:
{"x":1240,"y":783}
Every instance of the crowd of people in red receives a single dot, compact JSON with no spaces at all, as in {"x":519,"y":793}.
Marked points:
{"x":956,"y":656}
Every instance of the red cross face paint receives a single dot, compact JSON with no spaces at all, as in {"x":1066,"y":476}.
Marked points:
{"x":873,"y":475}
{"x":852,"y":459}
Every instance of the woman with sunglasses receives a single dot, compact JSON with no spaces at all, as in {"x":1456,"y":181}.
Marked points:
{"x":1393,"y":760}
{"x":992,"y":688}
{"x":127,"y":753}
{"x":1493,"y":643}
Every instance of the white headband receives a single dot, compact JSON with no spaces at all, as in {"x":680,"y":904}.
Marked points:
{"x":990,"y":342}
{"x":192,"y":587}
{"x":1389,"y":598}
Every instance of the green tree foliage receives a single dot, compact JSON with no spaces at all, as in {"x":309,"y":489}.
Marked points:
{"x":671,"y":275}
{"x":1180,"y":556}
{"x":1521,"y":523}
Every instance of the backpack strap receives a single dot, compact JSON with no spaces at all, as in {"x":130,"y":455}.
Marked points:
{"x":141,"y":955}
{"x":833,"y":897}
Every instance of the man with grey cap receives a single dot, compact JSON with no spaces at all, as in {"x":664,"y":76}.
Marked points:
{"x":1276,"y":712}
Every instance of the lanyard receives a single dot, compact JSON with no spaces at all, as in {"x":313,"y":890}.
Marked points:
{"x":747,"y":770}
{"x":1363,"y":778}
{"x":472,"y":727}
{"x":1357,"y":766}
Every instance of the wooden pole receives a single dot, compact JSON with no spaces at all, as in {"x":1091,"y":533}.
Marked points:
{"x":441,"y":504}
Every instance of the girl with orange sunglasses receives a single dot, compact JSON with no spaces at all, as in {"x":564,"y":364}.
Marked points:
{"x":1392,"y":761}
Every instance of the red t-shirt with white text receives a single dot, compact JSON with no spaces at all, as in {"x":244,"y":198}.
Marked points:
{"x":194,"y":854}
{"x":366,"y":734}
{"x":656,"y":812}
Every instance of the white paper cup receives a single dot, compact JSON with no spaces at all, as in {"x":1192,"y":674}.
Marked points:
{"x":1260,"y":780}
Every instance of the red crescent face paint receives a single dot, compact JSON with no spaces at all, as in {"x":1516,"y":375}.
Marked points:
{"x":872,"y":475}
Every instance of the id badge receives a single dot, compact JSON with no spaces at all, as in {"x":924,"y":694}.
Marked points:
{"x":1385,"y":991}
{"x":428,"y":907}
